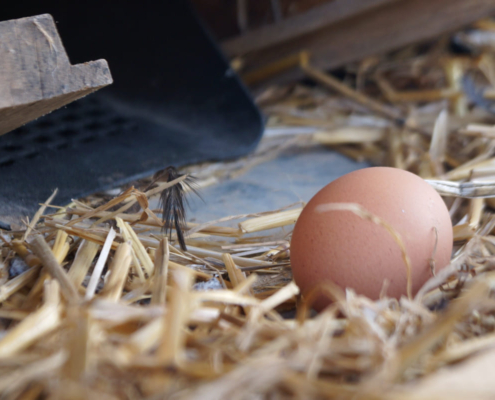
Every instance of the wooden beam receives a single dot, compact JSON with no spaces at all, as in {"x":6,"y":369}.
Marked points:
{"x":376,"y":32}
{"x":292,"y":27}
{"x":36,"y":76}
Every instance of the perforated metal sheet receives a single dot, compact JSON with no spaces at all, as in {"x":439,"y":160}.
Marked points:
{"x":86,"y":121}
{"x":174,"y":101}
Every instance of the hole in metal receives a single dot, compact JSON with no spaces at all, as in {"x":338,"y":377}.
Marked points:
{"x":12,"y":147}
{"x":6,"y":163}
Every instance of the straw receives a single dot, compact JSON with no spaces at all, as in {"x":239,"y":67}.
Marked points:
{"x":224,"y":319}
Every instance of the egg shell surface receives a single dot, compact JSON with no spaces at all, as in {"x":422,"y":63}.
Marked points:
{"x":347,"y":250}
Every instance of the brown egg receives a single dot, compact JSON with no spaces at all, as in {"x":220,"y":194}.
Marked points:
{"x":343,"y":248}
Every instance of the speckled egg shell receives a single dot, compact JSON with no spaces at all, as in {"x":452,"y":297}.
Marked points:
{"x":341,"y":247}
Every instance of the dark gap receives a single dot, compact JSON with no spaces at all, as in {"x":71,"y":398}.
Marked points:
{"x":43,"y":139}
{"x":21,"y":131}
{"x":114,"y":132}
{"x":6,"y":163}
{"x":93,"y":126}
{"x":32,"y":155}
{"x":62,"y":146}
{"x":45,"y":123}
{"x":88,"y":139}
{"x":12,"y":147}
{"x":96,"y":113}
{"x":71,"y":118}
{"x":118,"y":121}
{"x":67,"y":132}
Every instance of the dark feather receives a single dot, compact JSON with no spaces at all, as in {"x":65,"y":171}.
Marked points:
{"x":5,"y":226}
{"x":173,"y":201}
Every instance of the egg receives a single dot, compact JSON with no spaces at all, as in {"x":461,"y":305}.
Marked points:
{"x":341,"y":247}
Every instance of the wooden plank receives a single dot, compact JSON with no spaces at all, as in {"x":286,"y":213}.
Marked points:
{"x":292,"y":27}
{"x":36,"y":75}
{"x":381,"y":30}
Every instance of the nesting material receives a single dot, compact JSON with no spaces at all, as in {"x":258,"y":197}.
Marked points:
{"x":108,"y":307}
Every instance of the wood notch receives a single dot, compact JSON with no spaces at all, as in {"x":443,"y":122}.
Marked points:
{"x":36,"y":75}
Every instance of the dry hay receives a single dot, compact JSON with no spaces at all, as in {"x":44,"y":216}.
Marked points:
{"x":97,"y":303}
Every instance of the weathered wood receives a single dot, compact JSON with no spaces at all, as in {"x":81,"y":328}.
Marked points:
{"x":36,"y":75}
{"x":292,"y":27}
{"x":375,"y":32}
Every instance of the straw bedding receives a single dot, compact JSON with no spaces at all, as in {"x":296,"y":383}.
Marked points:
{"x":96,"y":302}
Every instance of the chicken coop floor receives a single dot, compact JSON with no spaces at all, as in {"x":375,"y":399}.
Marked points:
{"x":294,"y":176}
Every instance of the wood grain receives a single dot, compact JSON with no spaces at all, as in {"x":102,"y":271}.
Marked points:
{"x":36,"y":75}
{"x":292,"y":27}
{"x":375,"y":32}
